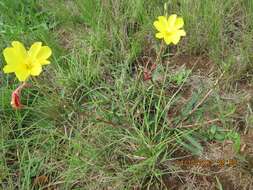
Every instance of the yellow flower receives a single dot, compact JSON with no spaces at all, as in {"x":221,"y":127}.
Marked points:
{"x":25,"y":63}
{"x":170,"y":28}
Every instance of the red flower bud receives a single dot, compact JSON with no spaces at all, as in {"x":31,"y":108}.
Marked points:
{"x":15,"y":97}
{"x":15,"y":100}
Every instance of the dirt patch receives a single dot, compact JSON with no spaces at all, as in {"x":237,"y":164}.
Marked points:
{"x":172,"y":183}
{"x":201,"y":74}
{"x":66,"y":38}
{"x":218,"y":168}
{"x":199,"y":64}
{"x":147,"y":60}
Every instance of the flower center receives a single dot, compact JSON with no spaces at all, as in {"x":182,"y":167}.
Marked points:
{"x":170,"y":30}
{"x":29,"y":64}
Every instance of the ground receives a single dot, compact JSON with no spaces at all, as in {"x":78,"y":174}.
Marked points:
{"x":104,"y":116}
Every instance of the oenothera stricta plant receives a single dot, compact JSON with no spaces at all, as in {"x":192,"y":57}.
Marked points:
{"x":170,"y":30}
{"x":24,"y":64}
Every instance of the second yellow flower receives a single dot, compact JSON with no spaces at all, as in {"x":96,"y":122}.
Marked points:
{"x":170,"y":29}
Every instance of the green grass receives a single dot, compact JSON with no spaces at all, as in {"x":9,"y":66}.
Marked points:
{"x":91,"y":122}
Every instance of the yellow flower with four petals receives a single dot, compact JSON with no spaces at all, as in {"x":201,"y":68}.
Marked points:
{"x":26,"y":63}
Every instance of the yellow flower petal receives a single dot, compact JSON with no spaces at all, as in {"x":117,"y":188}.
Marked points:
{"x":44,"y":62}
{"x":181,"y":33}
{"x":44,"y":53}
{"x":158,"y":26}
{"x":175,"y":39}
{"x":9,"y":69}
{"x":163,"y":20}
{"x":159,"y":35}
{"x":171,"y":21}
{"x":34,"y":50}
{"x":36,"y":70}
{"x":10,"y":56}
{"x":179,"y":23}
{"x":162,"y":24}
{"x":20,"y":49}
{"x":22,"y":73}
{"x":16,"y":54}
{"x":167,"y":39}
